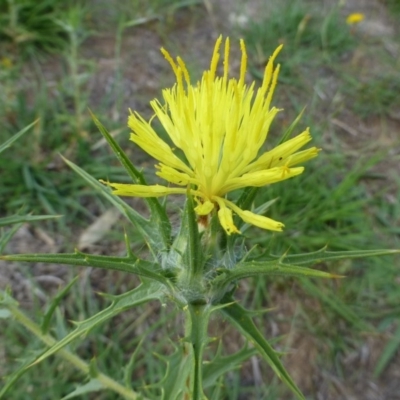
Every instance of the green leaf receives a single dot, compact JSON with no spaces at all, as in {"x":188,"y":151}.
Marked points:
{"x":388,"y":353}
{"x":323,"y":255}
{"x":178,"y":369}
{"x":17,"y":219}
{"x":239,"y":317}
{"x":50,"y":341}
{"x":10,"y":141}
{"x":13,"y":378}
{"x":6,"y":299}
{"x":220,"y":365}
{"x":142,"y":294}
{"x":337,"y":305}
{"x":5,"y":238}
{"x":150,"y":233}
{"x":128,"y":368}
{"x":4,"y":313}
{"x":54,"y":304}
{"x":289,"y":131}
{"x":92,"y":386}
{"x":256,"y":268}
{"x":126,"y":264}
{"x":158,"y":217}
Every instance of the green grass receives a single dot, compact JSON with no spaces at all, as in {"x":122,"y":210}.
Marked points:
{"x":29,"y":26}
{"x":376,"y":96}
{"x":333,"y":203}
{"x":312,"y":39}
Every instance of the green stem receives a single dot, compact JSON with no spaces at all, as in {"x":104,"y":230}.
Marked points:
{"x":76,"y":361}
{"x":196,"y":333}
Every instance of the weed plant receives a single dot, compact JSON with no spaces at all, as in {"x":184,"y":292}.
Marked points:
{"x":332,"y":205}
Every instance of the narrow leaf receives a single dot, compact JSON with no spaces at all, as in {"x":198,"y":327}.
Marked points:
{"x":335,"y":304}
{"x":5,"y":238}
{"x":151,"y":235}
{"x":125,"y":264}
{"x":289,"y":131}
{"x":54,"y":304}
{"x":10,"y":141}
{"x":239,"y":317}
{"x":77,"y":362}
{"x":388,"y":353}
{"x":256,"y":268}
{"x":142,"y":294}
{"x":179,"y":366}
{"x":92,"y":386}
{"x":17,"y":219}
{"x":158,"y":217}
{"x":219,"y":365}
{"x":323,"y":255}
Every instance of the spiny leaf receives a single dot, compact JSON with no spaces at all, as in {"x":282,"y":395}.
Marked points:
{"x":92,"y":386}
{"x":323,"y":255}
{"x":178,"y":369}
{"x":220,"y":365}
{"x":142,"y":294}
{"x":239,"y":317}
{"x":64,"y":353}
{"x":257,"y":268}
{"x":132,"y":266}
{"x":150,"y":233}
{"x":158,"y":217}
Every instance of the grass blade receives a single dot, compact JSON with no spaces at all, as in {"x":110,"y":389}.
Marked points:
{"x":10,"y":141}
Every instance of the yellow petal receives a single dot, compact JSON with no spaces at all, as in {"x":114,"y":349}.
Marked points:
{"x":354,"y":18}
{"x":172,"y":175}
{"x":204,"y":208}
{"x":260,"y":221}
{"x":262,"y":178}
{"x":146,"y":138}
{"x":226,"y":220}
{"x":303,"y":156}
{"x":280,"y":153}
{"x":122,"y":189}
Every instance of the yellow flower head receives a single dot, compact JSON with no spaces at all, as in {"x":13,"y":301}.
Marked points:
{"x":220,"y":124}
{"x":354,"y":18}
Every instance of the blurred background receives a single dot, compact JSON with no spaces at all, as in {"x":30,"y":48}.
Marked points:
{"x":341,"y":60}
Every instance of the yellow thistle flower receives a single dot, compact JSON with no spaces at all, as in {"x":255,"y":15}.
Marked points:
{"x":220,"y":125}
{"x":354,"y":18}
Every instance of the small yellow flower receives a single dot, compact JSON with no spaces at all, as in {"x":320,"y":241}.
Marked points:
{"x":354,"y":18}
{"x":6,"y":62}
{"x":219,"y":124}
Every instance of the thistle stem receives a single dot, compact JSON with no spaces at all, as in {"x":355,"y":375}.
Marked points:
{"x":196,"y":333}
